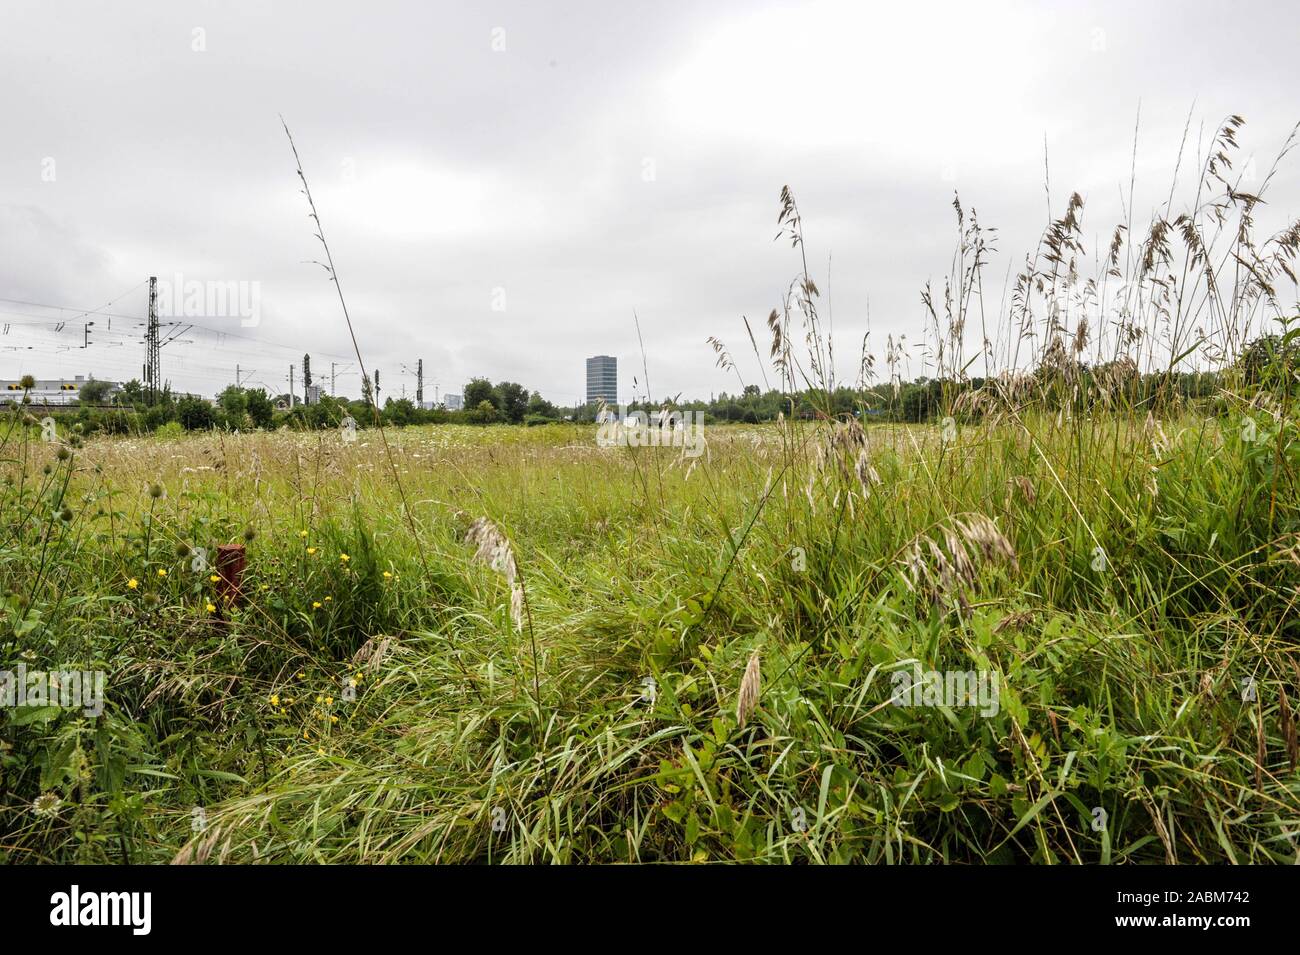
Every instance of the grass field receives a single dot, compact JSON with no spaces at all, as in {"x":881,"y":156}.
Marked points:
{"x":1058,"y":624}
{"x":383,"y":696}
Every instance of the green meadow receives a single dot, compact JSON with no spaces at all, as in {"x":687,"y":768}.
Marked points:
{"x":380,"y":695}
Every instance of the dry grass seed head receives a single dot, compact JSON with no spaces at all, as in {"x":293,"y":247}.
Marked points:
{"x":945,"y":574}
{"x":750,"y":686}
{"x":493,"y":549}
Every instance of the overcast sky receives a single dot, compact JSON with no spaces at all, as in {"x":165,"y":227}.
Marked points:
{"x":503,"y":184}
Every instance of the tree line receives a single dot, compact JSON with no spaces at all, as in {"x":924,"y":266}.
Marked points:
{"x":1115,"y":384}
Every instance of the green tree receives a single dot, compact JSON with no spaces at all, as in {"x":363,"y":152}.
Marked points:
{"x":259,"y":407}
{"x":158,"y":415}
{"x":194,"y":414}
{"x":234,"y":402}
{"x":539,"y":406}
{"x":1269,"y":358}
{"x":485,"y":412}
{"x":93,"y":392}
{"x":400,"y":411}
{"x":514,"y":401}
{"x":480,"y":390}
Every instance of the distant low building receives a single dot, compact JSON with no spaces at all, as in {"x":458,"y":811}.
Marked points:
{"x":52,"y":391}
{"x":453,"y":402}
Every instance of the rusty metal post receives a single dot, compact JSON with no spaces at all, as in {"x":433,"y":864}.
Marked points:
{"x":231,"y":560}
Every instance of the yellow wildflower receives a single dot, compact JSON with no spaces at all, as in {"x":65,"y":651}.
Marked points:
{"x":132,"y":584}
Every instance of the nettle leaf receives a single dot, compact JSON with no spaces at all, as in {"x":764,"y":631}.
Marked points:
{"x":32,"y":715}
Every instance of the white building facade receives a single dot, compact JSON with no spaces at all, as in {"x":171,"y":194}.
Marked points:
{"x":50,"y":391}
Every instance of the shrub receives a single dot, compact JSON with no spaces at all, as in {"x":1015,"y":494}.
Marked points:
{"x":195,"y":414}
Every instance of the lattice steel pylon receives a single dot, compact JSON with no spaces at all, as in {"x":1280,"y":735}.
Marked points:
{"x":152,"y":374}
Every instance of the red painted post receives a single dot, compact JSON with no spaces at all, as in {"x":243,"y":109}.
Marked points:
{"x":230,"y":566}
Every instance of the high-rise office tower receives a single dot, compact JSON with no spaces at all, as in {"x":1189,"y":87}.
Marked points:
{"x":602,"y":379}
